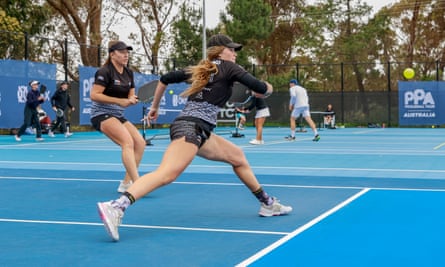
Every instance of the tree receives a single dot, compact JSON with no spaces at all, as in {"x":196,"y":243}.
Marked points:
{"x":9,"y":27}
{"x":83,"y":19}
{"x":187,"y":36}
{"x":250,"y":24}
{"x":32,"y":16}
{"x":287,"y":29}
{"x":20,"y":19}
{"x":153,"y":19}
{"x":420,"y":36}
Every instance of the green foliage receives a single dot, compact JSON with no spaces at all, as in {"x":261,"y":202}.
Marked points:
{"x":187,"y":37}
{"x":9,"y":29}
{"x":249,"y":23}
{"x":250,"y":20}
{"x":32,"y":17}
{"x":17,"y":18}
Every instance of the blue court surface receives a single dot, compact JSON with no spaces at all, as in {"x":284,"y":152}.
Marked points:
{"x":361,"y":197}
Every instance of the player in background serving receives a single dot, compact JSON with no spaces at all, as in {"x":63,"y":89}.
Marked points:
{"x":299,"y":105}
{"x":59,"y":101}
{"x":112,"y":92}
{"x":192,"y":131}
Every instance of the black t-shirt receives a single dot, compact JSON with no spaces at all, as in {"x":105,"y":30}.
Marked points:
{"x":116,"y":84}
{"x":219,"y":88}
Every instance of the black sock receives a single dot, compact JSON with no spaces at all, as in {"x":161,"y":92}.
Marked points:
{"x":130,"y":197}
{"x":262,"y":196}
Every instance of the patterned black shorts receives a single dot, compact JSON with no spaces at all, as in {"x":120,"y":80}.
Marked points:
{"x":194,"y":130}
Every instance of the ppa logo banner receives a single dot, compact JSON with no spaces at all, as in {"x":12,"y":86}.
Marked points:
{"x":421,"y":103}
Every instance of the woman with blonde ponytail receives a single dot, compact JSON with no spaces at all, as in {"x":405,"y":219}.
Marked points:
{"x":192,"y":131}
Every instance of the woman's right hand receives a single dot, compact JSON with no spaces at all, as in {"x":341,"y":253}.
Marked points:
{"x":126,"y":102}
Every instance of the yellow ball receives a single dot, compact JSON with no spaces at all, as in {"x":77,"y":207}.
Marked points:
{"x":408,"y":73}
{"x":171,"y":92}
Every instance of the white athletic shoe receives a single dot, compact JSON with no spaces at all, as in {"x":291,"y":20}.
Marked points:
{"x":40,"y":139}
{"x":67,"y":134}
{"x":274,"y":209}
{"x":51,"y":134}
{"x":123,"y":187}
{"x":256,"y":142}
{"x":17,"y":138}
{"x":111,"y":217}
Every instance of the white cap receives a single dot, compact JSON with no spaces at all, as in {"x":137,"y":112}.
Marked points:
{"x":34,"y":82}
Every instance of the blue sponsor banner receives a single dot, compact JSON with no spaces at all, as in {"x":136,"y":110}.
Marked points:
{"x":171,"y":103}
{"x":170,"y":106}
{"x":15,"y":76}
{"x":421,"y":102}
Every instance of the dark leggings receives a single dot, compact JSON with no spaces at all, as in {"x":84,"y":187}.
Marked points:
{"x":31,"y":119}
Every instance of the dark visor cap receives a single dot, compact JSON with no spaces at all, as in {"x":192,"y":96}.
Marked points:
{"x":223,"y":40}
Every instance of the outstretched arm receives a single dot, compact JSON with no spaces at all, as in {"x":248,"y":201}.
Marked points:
{"x":160,"y":89}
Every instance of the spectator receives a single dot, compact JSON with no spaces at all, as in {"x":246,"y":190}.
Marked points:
{"x":31,"y":116}
{"x":60,"y":101}
{"x":329,"y":117}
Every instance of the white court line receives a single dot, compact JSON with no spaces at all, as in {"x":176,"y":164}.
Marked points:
{"x":148,"y":227}
{"x":439,"y":146}
{"x":300,"y":229}
{"x":274,"y":142}
{"x":231,"y":184}
{"x":369,"y":131}
{"x":224,"y":166}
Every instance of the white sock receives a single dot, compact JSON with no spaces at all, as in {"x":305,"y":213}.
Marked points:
{"x":122,"y":203}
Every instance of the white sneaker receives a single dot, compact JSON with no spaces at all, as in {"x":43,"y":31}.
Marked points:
{"x":123,"y":187}
{"x":51,"y":134}
{"x":274,"y":209}
{"x":40,"y":139}
{"x":256,"y":142}
{"x":17,"y":138}
{"x":111,"y":217}
{"x":68,"y":134}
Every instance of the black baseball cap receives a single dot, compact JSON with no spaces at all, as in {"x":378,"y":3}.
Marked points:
{"x":113,"y":46}
{"x":223,"y":40}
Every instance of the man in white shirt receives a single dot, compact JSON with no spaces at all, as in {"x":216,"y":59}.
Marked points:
{"x":299,"y":105}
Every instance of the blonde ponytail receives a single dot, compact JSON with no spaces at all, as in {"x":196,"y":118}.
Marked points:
{"x":201,"y":73}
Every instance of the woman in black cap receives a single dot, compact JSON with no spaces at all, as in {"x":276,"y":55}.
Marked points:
{"x":112,"y":92}
{"x":60,"y":100}
{"x":192,"y":131}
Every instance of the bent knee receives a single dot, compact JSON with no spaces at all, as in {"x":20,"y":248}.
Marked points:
{"x":238,"y":158}
{"x":127,"y":144}
{"x":140,"y":142}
